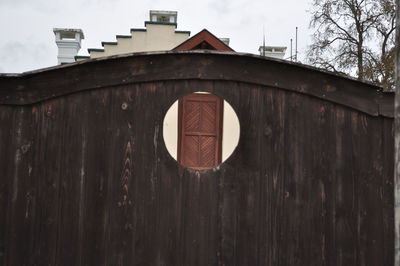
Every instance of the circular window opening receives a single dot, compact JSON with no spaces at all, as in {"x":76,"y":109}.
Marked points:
{"x":201,"y":130}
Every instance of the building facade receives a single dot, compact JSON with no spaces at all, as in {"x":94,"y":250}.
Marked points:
{"x":159,"y":34}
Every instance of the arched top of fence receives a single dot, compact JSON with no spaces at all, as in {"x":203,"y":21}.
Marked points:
{"x":43,"y":84}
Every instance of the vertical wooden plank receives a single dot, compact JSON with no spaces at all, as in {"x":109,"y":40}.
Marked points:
{"x":343,"y":204}
{"x":322,"y":148}
{"x":301,"y":196}
{"x":370,"y":170}
{"x":47,"y":181}
{"x":98,"y":162}
{"x":72,"y":176}
{"x":228,"y":217}
{"x":120,"y":225}
{"x":273,"y":127}
{"x":141,"y":186}
{"x":6,"y":176}
{"x":285,"y":240}
{"x":82,"y":186}
{"x":387,"y":191}
{"x":262,"y":184}
{"x":228,"y":188}
{"x":22,"y":194}
{"x":264,"y":189}
{"x":248,"y":181}
{"x":147,"y":179}
{"x":294,"y":208}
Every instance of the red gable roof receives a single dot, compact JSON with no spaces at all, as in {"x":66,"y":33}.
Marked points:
{"x":203,"y":40}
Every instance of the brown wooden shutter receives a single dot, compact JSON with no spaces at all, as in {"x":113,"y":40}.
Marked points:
{"x":200,"y":130}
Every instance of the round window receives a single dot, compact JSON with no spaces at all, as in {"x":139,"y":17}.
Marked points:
{"x":201,"y":130}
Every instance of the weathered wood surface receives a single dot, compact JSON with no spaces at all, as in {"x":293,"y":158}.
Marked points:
{"x":36,"y":86}
{"x":86,"y":178}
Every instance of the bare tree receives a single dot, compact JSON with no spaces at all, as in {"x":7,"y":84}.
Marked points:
{"x":347,"y":35}
{"x":380,"y":65}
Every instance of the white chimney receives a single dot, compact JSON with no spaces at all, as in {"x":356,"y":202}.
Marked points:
{"x":163,"y":16}
{"x":69,"y":43}
{"x":225,"y":40}
{"x":273,"y":51}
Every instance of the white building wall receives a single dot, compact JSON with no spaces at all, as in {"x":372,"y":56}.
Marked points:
{"x":157,"y":37}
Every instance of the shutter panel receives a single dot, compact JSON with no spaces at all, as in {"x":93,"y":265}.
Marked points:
{"x":200,"y":130}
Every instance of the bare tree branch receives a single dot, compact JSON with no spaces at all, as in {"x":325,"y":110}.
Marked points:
{"x":347,"y":35}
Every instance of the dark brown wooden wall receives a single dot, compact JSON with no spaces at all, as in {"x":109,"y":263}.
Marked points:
{"x":85,"y":179}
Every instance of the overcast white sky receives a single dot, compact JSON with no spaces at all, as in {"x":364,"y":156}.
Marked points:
{"x":27,"y":38}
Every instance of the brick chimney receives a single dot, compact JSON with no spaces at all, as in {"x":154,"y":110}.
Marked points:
{"x":69,"y":43}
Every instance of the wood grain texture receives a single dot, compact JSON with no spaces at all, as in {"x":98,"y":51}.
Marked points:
{"x":86,"y":179}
